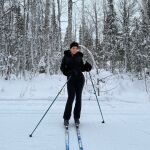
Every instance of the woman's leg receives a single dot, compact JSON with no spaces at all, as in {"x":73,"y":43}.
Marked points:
{"x":78,"y":90}
{"x":71,"y":96}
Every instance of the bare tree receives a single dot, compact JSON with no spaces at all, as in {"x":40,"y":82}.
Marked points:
{"x":68,"y":38}
{"x":146,"y":9}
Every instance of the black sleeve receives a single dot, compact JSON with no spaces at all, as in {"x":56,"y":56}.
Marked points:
{"x":82,"y":66}
{"x":63,"y":67}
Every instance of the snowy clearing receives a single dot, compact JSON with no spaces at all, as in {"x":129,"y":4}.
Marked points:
{"x":125,"y":108}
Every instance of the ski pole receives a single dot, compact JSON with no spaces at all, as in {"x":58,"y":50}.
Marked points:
{"x":97,"y":98}
{"x":48,"y":108}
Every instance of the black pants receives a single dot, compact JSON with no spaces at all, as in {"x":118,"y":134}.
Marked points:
{"x":74,"y":88}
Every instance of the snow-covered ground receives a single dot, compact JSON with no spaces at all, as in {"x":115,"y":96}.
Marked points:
{"x":124,"y":103}
{"x":126,"y":128}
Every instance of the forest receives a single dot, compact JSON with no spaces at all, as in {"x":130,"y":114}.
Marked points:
{"x":35,"y":33}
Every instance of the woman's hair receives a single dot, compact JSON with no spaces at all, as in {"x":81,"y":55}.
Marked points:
{"x":74,"y":44}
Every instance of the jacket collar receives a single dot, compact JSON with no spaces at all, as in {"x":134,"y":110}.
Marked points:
{"x":68,"y":53}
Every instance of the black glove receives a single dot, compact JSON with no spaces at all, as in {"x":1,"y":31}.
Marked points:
{"x":87,"y":66}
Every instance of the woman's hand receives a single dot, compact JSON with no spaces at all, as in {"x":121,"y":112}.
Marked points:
{"x":87,"y":66}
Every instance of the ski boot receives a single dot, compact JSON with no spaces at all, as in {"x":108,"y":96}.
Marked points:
{"x":66,"y":123}
{"x":77,"y":122}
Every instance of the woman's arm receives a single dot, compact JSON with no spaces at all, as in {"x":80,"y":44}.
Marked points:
{"x":63,"y":67}
{"x":82,"y":66}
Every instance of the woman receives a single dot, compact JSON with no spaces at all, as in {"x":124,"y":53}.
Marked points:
{"x":72,"y":65}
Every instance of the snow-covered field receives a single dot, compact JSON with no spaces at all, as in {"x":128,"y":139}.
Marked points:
{"x":124,"y":103}
{"x":44,"y":87}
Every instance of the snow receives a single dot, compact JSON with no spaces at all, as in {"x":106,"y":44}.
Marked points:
{"x":44,"y":87}
{"x":126,"y":127}
{"x":124,"y":102}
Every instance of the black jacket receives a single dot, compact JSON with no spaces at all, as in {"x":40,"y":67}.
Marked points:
{"x":73,"y":65}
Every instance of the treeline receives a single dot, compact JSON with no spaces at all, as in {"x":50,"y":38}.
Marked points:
{"x":32,"y":38}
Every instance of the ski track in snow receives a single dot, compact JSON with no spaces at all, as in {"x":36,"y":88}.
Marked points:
{"x":126,"y":128}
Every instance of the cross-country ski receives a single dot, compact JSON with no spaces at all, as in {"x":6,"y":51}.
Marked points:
{"x":79,"y":137}
{"x":67,"y":137}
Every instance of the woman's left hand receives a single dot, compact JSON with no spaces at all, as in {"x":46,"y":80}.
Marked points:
{"x":88,"y":66}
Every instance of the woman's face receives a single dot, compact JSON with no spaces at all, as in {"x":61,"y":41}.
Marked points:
{"x":74,"y":49}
